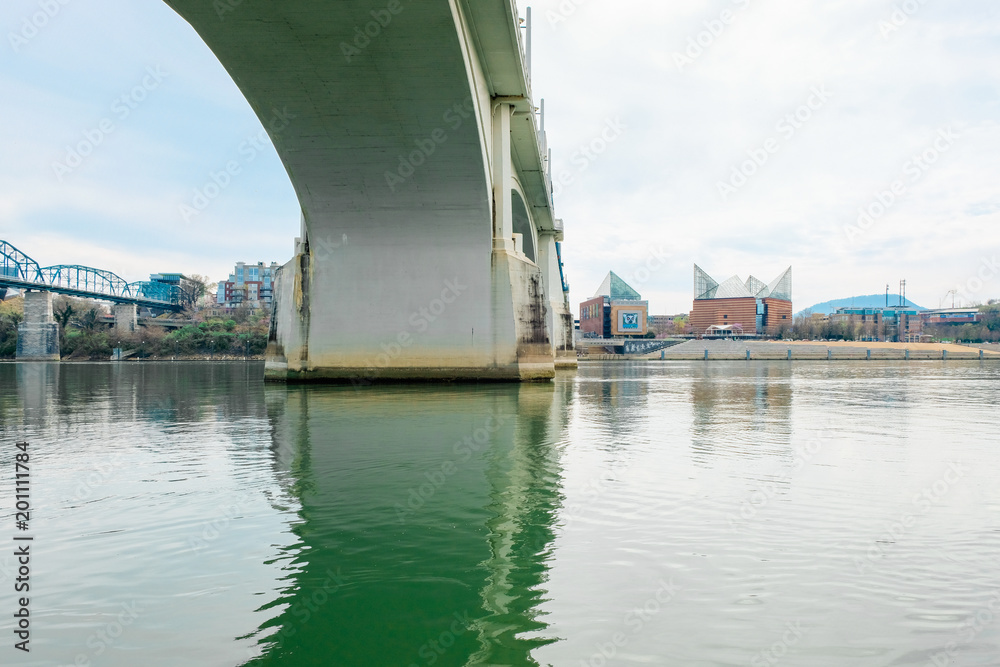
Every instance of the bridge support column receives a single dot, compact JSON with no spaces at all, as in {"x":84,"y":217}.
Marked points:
{"x":125,"y":317}
{"x":503,"y":180}
{"x":559,"y":316}
{"x":38,"y":334}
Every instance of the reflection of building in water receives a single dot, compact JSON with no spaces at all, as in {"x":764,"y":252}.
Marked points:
{"x":37,"y":387}
{"x":613,"y":400}
{"x":186,"y":392}
{"x":733,"y":405}
{"x":434,"y":509}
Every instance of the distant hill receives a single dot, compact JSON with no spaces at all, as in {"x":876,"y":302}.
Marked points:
{"x":869,"y":301}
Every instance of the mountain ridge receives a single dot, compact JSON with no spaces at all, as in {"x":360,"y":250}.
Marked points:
{"x":865,"y":301}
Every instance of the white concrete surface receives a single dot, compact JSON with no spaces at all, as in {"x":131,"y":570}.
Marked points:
{"x":404,"y":147}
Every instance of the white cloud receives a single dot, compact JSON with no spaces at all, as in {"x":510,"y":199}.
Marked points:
{"x":689,"y":127}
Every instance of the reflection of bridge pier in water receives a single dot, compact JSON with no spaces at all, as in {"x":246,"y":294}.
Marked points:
{"x":427,"y":522}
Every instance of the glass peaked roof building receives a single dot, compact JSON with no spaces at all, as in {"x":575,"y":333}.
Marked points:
{"x":706,"y":287}
{"x":748,"y":307}
{"x":616,"y":310}
{"x":616,"y":289}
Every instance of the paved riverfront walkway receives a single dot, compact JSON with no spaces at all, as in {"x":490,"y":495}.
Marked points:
{"x":837,"y":350}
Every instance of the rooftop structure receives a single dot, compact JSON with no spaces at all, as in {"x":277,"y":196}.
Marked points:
{"x":952,"y":316}
{"x":706,"y":287}
{"x":615,"y":310}
{"x":751,"y":305}
{"x":615,"y":288}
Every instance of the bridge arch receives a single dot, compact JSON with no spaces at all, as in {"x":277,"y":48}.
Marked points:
{"x":15,"y":264}
{"x":408,"y":143}
{"x":523,"y":224}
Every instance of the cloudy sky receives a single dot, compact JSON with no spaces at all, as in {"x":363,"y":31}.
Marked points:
{"x":855,"y":140}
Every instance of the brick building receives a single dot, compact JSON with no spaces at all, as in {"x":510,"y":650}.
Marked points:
{"x":892,"y":324}
{"x":616,"y":310}
{"x":752,"y":307}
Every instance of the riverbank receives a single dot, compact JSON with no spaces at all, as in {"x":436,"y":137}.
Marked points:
{"x":721,"y":350}
{"x":157,"y":359}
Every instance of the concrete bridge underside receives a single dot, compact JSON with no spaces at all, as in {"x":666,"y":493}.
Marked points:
{"x":428,"y":242}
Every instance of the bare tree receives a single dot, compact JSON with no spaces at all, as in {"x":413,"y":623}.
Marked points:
{"x":200,"y":287}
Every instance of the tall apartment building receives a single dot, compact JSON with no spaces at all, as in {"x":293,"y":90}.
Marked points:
{"x":252,"y":284}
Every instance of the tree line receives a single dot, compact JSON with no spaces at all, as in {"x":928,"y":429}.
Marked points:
{"x":806,"y":327}
{"x":83,"y":334}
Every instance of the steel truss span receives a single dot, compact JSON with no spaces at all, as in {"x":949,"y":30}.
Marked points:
{"x":20,"y":271}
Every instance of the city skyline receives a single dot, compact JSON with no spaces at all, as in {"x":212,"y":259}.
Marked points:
{"x":853,"y":141}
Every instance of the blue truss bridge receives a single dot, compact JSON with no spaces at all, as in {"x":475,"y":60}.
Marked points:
{"x":20,"y":271}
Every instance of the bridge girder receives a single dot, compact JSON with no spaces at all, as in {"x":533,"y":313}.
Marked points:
{"x":20,"y":271}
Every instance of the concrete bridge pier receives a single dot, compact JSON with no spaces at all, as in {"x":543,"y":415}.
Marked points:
{"x":125,"y":317}
{"x":559,"y":317}
{"x":38,"y":333}
{"x":420,"y":167}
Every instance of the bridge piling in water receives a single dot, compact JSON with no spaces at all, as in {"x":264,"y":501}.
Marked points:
{"x":125,"y":317}
{"x":38,"y":333}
